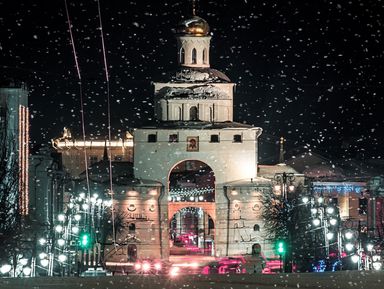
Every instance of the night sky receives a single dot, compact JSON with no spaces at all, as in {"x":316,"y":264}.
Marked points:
{"x":311,"y":71}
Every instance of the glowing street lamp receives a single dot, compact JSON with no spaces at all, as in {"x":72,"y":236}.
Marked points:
{"x":61,"y":242}
{"x":44,"y":262}
{"x":61,"y":217}
{"x":27,"y":271}
{"x":316,"y":222}
{"x":355,"y":258}
{"x":62,"y":258}
{"x":348,"y":235}
{"x":349,"y":246}
{"x":5,"y":269}
{"x":330,"y":210}
{"x":42,"y":241}
{"x":59,"y":228}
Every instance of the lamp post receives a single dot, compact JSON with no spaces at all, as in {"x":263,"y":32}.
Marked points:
{"x":325,"y":219}
{"x":283,"y":185}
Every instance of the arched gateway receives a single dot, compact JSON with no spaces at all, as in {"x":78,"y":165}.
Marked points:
{"x":191,"y":208}
{"x":199,"y":155}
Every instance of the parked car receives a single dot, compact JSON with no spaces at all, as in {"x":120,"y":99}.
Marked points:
{"x":92,"y":272}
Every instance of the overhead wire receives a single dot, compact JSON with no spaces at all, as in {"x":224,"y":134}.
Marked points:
{"x":109,"y":121}
{"x":81,"y":96}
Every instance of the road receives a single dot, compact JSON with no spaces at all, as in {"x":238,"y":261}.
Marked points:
{"x":343,"y":279}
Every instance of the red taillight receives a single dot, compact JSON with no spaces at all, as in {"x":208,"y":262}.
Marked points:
{"x":137,"y":266}
{"x":146,"y":267}
{"x":174,"y":271}
{"x":158,"y":266}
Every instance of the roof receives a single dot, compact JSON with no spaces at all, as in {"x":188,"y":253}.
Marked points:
{"x":197,"y":125}
{"x":195,"y":75}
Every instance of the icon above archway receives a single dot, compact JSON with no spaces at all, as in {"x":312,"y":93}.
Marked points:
{"x":193,"y":143}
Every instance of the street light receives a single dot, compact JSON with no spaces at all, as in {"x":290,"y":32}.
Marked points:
{"x":284,"y":183}
{"x":325,"y":222}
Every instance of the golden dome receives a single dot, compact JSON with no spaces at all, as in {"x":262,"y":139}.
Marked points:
{"x":195,"y":26}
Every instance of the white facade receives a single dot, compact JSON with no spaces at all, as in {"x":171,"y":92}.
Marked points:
{"x":194,"y":107}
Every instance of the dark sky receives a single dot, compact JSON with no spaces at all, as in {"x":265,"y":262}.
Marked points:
{"x":311,"y":71}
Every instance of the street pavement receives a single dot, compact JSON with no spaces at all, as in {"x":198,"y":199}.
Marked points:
{"x":341,"y":279}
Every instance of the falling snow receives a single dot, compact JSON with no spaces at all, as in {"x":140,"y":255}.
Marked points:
{"x":310,"y":71}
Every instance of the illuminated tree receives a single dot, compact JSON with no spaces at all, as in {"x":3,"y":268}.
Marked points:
{"x":9,"y":170}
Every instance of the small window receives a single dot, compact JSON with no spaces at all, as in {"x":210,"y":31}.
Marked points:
{"x":256,"y":228}
{"x":152,"y":138}
{"x":194,"y":56}
{"x":237,"y":138}
{"x":193,"y":113}
{"x":182,"y":56}
{"x":173,"y":138}
{"x":205,"y":56}
{"x":132,"y":228}
{"x":363,"y":206}
{"x":214,"y":138}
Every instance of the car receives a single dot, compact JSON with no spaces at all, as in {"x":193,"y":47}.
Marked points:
{"x":148,"y":266}
{"x":92,"y":272}
{"x":227,"y":265}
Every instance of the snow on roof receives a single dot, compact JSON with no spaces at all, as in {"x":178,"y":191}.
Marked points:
{"x":196,"y":75}
{"x":193,"y":92}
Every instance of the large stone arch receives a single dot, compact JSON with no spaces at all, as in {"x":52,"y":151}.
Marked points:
{"x":191,"y":179}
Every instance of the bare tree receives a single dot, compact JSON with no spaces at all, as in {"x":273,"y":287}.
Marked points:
{"x":288,"y":221}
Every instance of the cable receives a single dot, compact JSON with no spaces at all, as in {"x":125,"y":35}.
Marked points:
{"x":109,"y":122}
{"x":81,"y":98}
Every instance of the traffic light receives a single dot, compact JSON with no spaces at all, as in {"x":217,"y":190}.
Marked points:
{"x":280,"y":247}
{"x":85,"y":240}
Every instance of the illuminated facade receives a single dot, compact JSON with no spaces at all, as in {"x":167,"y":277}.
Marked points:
{"x":73,"y":151}
{"x":206,"y":162}
{"x":15,"y":115}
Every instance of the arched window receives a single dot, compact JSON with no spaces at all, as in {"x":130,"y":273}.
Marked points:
{"x":256,"y":249}
{"x":193,"y":113}
{"x":194,"y":56}
{"x":182,"y":56}
{"x":131,"y":228}
{"x":205,"y":56}
{"x":132,"y":252}
{"x":256,"y":228}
